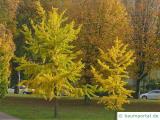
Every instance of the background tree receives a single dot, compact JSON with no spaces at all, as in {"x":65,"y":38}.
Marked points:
{"x":8,"y":13}
{"x":112,"y":75}
{"x":6,"y":54}
{"x":52,"y":65}
{"x":8,"y":17}
{"x":145,"y":39}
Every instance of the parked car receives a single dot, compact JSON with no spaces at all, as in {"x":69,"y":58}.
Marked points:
{"x":22,"y":90}
{"x":154,"y":94}
{"x":28,"y":91}
{"x":11,"y":90}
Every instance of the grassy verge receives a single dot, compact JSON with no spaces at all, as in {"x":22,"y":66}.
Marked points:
{"x":28,"y":107}
{"x":32,"y":108}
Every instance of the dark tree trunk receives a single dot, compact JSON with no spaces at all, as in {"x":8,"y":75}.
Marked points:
{"x":55,"y":107}
{"x":115,"y":113}
{"x":138,"y":84}
{"x":55,"y":103}
{"x":137,"y":89}
{"x":16,"y":89}
{"x":86,"y":100}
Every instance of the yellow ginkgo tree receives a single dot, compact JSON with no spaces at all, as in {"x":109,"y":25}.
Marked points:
{"x":112,"y":74}
{"x":51,"y":63}
{"x":6,"y":54}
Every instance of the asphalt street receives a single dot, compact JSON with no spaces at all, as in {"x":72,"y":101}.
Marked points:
{"x":4,"y":116}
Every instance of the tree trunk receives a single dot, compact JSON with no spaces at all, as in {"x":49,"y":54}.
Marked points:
{"x":86,"y":100}
{"x":55,"y":103}
{"x":55,"y":108}
{"x":137,"y":93}
{"x":115,"y":113}
{"x":16,"y":89}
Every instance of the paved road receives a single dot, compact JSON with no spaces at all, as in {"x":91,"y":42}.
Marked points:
{"x":4,"y":116}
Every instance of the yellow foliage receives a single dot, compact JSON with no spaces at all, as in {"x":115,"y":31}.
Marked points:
{"x":52,"y":68}
{"x":6,"y":53}
{"x":113,"y":65}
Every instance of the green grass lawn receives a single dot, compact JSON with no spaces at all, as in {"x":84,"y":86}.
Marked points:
{"x":34,"y":108}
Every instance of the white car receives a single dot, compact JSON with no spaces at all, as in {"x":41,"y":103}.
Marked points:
{"x":154,"y":94}
{"x":22,"y":90}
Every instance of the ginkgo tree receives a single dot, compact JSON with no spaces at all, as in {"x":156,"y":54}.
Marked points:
{"x":6,"y":53}
{"x":112,"y":73}
{"x":51,"y":63}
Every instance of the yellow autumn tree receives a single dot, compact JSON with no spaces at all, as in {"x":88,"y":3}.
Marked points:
{"x":112,"y":74}
{"x":51,"y":64}
{"x":6,"y":53}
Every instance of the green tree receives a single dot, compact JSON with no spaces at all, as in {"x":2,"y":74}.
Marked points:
{"x":6,"y":54}
{"x":113,"y":71}
{"x":52,"y":65}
